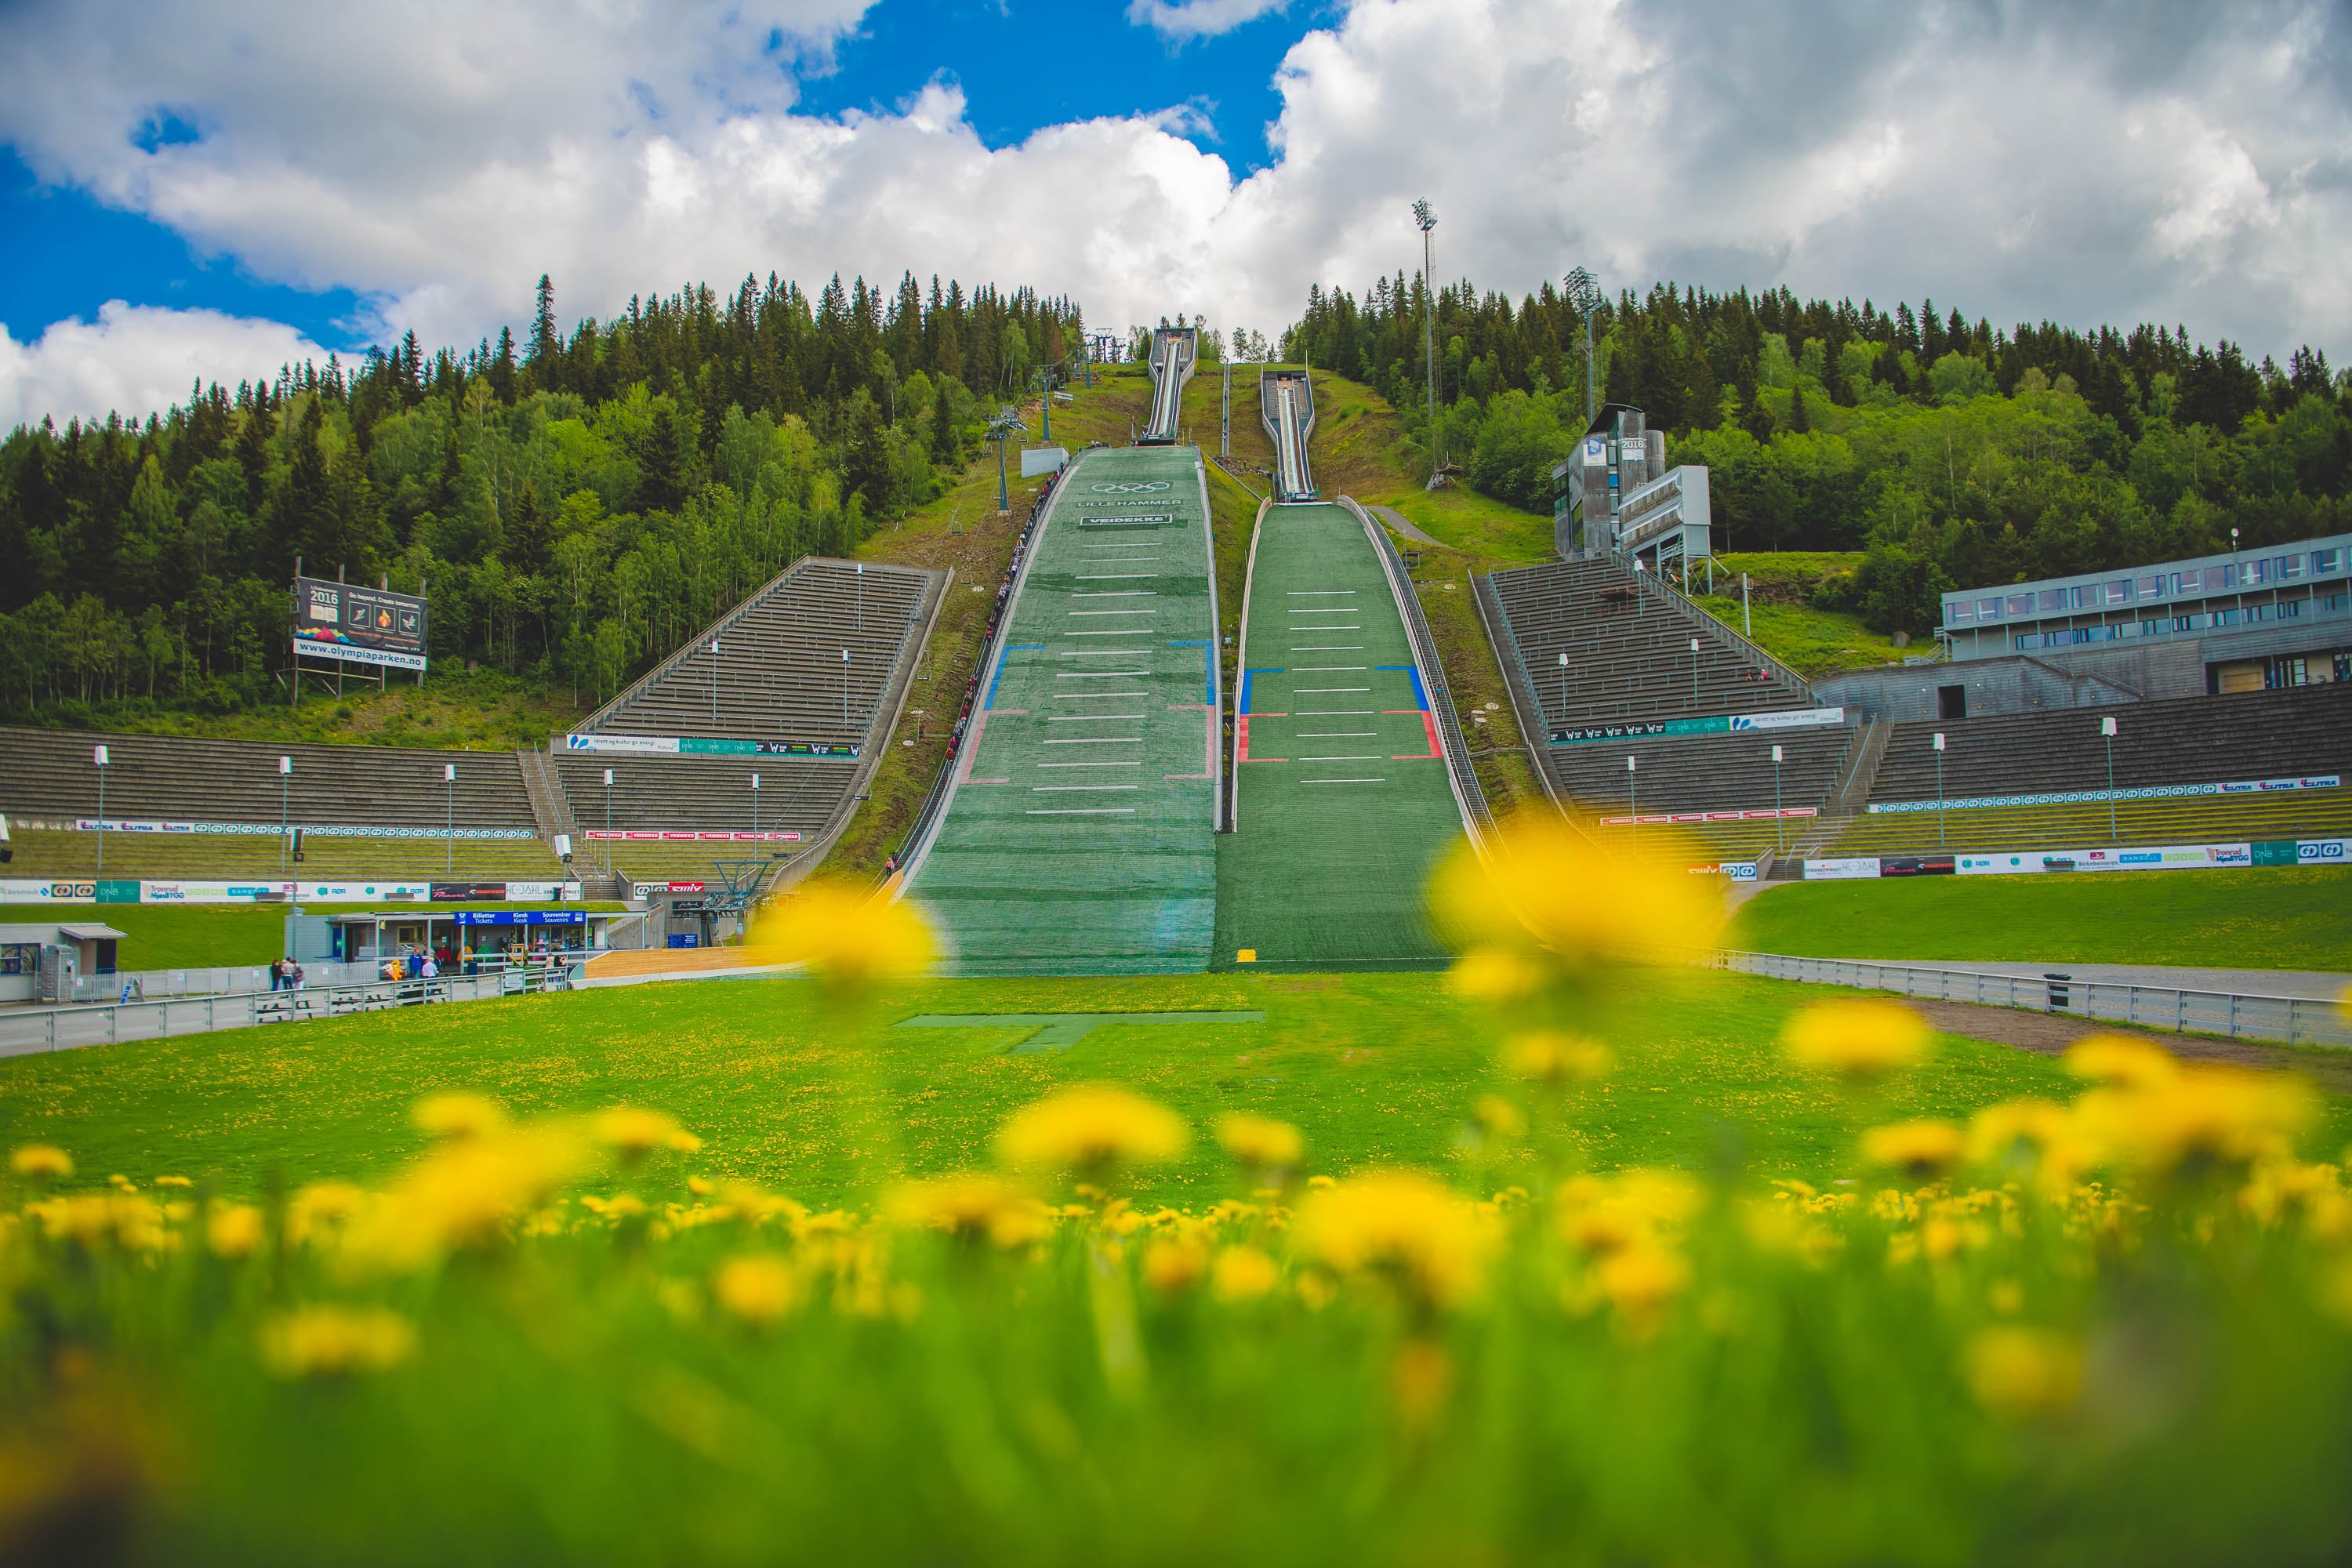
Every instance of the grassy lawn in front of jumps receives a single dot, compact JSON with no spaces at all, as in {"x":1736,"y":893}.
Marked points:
{"x":203,"y":936}
{"x":1377,"y":1070}
{"x":2256,"y":918}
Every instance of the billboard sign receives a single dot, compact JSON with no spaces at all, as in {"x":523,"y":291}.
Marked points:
{"x":706,"y":746}
{"x":358,"y":625}
{"x":1845,"y":870}
{"x":1037,"y":460}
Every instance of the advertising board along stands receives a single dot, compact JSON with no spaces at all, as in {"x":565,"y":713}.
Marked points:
{"x":2102,"y":859}
{"x":344,"y":623}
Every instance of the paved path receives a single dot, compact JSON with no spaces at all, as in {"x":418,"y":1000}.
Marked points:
{"x":2243,"y":982}
{"x":1396,"y":520}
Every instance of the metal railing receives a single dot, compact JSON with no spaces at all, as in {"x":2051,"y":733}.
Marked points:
{"x":2294,"y":1020}
{"x":28,"y":1030}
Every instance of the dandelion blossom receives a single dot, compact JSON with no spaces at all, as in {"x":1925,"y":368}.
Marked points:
{"x":1090,"y":1129}
{"x":635,"y":1133}
{"x":233,"y":1230}
{"x":1400,"y":1226}
{"x":2020,"y":1373}
{"x":1555,"y":1059}
{"x":847,"y":936}
{"x":324,"y":1341}
{"x":1922,"y":1150}
{"x":1243,"y":1274}
{"x":458,"y":1115}
{"x":42,"y":1162}
{"x":973,"y":1208}
{"x":757,"y":1287}
{"x":1546,"y":889}
{"x":2121,"y":1062}
{"x":1860,"y":1039}
{"x":1260,"y":1142}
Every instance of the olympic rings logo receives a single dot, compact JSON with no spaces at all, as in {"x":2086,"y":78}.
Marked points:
{"x":1131,"y":487}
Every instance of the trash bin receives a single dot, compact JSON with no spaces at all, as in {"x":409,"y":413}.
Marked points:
{"x":2060,"y":993}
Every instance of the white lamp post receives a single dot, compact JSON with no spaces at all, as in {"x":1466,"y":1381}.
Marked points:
{"x":2107,"y":733}
{"x":1632,"y":810}
{"x":844,"y":689}
{"x":1693,"y":672}
{"x":608,"y":822}
{"x":1939,"y":789}
{"x":284,"y":792}
{"x":1563,"y":688}
{"x":755,"y":808}
{"x":714,"y":686}
{"x":98,"y":758}
{"x":1777,"y":845}
{"x":449,"y":842}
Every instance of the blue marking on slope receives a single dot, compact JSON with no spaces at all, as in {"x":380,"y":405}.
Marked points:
{"x":1420,"y":698}
{"x":1208,"y":687}
{"x":1002,"y":654}
{"x":1244,"y":707}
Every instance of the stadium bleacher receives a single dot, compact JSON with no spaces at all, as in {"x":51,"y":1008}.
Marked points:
{"x":1686,"y":773}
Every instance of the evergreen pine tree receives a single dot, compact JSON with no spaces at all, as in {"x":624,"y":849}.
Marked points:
{"x":1800,"y":421}
{"x":526,"y":533}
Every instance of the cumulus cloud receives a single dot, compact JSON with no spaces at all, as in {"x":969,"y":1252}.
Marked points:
{"x":135,"y":361}
{"x":1179,"y":20}
{"x":2088,"y":163}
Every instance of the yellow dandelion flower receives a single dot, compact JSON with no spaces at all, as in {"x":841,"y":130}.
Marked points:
{"x":465,"y":1194}
{"x":1548,"y":888}
{"x":1555,"y":1059}
{"x":322,"y":1209}
{"x":1400,"y":1226}
{"x":1639,"y":1280}
{"x":1498,"y":1117}
{"x":848,"y":937}
{"x":1173,"y":1267}
{"x":326,"y":1342}
{"x":1858,"y":1038}
{"x":2200,"y":1116}
{"x":458,"y":1115}
{"x":755,"y":1205}
{"x":1243,"y":1274}
{"x":1260,"y":1142}
{"x":1602,"y":1215}
{"x":233,"y":1230}
{"x":973,"y":1208}
{"x":1091,"y":1129}
{"x":41,"y":1162}
{"x":757,"y":1287}
{"x":2018,"y":1372}
{"x":2119,"y":1061}
{"x":1922,"y":1149}
{"x":637,"y":1134}
{"x":1493,"y":975}
{"x":174,"y":1182}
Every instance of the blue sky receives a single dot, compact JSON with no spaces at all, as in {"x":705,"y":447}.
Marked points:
{"x":210,"y":188}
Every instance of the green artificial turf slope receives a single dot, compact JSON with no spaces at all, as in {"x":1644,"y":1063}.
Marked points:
{"x":2257,"y":917}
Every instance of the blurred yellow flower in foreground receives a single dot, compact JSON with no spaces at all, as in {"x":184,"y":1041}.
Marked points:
{"x":2020,"y":1371}
{"x":974,"y":1206}
{"x":636,"y":1132}
{"x":1259,"y":1141}
{"x":1174,"y":1266}
{"x":757,"y":1287}
{"x":319,"y":1209}
{"x":458,"y":1115}
{"x":1402,"y":1227}
{"x":1091,"y":1129}
{"x":848,"y":937}
{"x":233,"y":1230}
{"x":1487,"y":974}
{"x":2121,"y":1062}
{"x":1555,"y":1059}
{"x":1921,"y":1149}
{"x":42,"y":1162}
{"x":464,"y":1194}
{"x":2199,"y":1116}
{"x":1543,"y":885}
{"x":320,"y":1341}
{"x":1606,"y":1214}
{"x":1859,"y":1039}
{"x":1639,"y":1280}
{"x":1244,"y":1273}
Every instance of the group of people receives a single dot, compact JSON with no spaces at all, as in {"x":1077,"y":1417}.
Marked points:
{"x":417,"y":963}
{"x":285,"y":974}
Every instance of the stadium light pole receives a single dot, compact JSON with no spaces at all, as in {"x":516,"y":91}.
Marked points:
{"x":1778,"y":845}
{"x":1563,"y":688}
{"x":1584,"y":294}
{"x":608,"y":822}
{"x":1939,"y":789}
{"x":1632,"y":812}
{"x":755,"y":808}
{"x":714,"y":686}
{"x":98,"y":760}
{"x":844,"y":689}
{"x":285,"y":789}
{"x":1425,"y":220}
{"x":861,"y":598}
{"x":449,"y":831}
{"x":1693,"y":672}
{"x":2107,"y":733}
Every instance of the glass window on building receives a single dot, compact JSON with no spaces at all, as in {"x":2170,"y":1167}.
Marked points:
{"x":2021,"y":603}
{"x":2186,"y":623}
{"x":2119,"y":592}
{"x":2343,"y":671}
{"x":2290,"y":609}
{"x":2326,"y":560}
{"x":2152,"y":586}
{"x":2290,"y":567}
{"x":1987,"y":609}
{"x":2051,"y":599}
{"x":2258,"y":571}
{"x":2220,"y":577}
{"x":2284,"y":671}
{"x":2226,"y":617}
{"x":1958,"y":612}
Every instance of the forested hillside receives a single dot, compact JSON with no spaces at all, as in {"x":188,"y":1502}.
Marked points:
{"x":1951,"y":453}
{"x":575,"y":505}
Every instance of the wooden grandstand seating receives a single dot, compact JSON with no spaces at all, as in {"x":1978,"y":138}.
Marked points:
{"x":47,"y":773}
{"x":778,"y":672}
{"x":2218,"y":820}
{"x":212,"y":856}
{"x":1702,"y":772}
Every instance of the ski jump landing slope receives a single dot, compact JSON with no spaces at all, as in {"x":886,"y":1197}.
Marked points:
{"x":1342,"y":799}
{"x":1079,"y":836}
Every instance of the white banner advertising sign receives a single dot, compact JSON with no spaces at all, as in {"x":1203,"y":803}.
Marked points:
{"x":2140,"y":792}
{"x":1846,"y":870}
{"x":1789,"y":718}
{"x":2151,"y":857}
{"x":649,"y":744}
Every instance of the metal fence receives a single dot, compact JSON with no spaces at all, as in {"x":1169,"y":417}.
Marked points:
{"x":2294,"y":1020}
{"x":26,"y":1030}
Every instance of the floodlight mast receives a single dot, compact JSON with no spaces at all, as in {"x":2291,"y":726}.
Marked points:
{"x":1584,"y":293}
{"x":1424,"y":217}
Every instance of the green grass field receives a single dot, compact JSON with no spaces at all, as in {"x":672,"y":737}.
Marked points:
{"x":1377,"y":1070}
{"x":2258,"y":918}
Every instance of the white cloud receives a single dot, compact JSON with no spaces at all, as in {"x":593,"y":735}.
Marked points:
{"x":2194,"y":165}
{"x":136,"y":360}
{"x":1183,"y":19}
